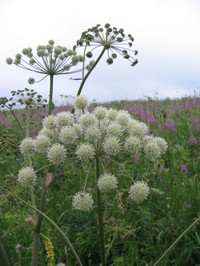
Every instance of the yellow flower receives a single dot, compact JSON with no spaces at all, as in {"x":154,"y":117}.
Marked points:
{"x":49,"y":250}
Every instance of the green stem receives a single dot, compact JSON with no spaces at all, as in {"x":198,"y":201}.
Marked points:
{"x":16,"y":119}
{"x":4,"y":256}
{"x":27,"y":121}
{"x":50,"y":105}
{"x":55,"y":226}
{"x":89,"y":72}
{"x":100,"y":215}
{"x":176,"y":241}
{"x":36,"y":233}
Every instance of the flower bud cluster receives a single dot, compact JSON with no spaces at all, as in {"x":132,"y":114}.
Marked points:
{"x":49,"y":60}
{"x":111,"y":39}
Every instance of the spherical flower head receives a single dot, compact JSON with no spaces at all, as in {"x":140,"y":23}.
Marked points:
{"x":132,"y":145}
{"x":123,"y":118}
{"x":42,"y":143}
{"x":87,"y":120}
{"x":162,"y":144}
{"x":152,"y":150}
{"x":111,"y":114}
{"x":9,"y":61}
{"x":49,"y":122}
{"x":49,"y":133}
{"x":137,"y":128}
{"x":82,"y":201}
{"x":27,"y":146}
{"x":68,"y":135}
{"x":27,"y":177}
{"x":80,"y":103}
{"x":92,"y":134}
{"x":75,"y":60}
{"x":139,"y":192}
{"x":85,"y":152}
{"x":100,"y":112}
{"x":56,"y":154}
{"x":111,"y":146}
{"x":64,"y":119}
{"x":114,"y":129}
{"x":31,"y":81}
{"x":107,"y":182}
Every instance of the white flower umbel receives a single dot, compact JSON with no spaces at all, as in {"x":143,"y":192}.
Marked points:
{"x":68,"y":135}
{"x":64,"y":119}
{"x":49,"y":133}
{"x":100,"y":112}
{"x":26,"y":146}
{"x":112,"y":146}
{"x":137,"y":128}
{"x":27,"y":177}
{"x":111,"y":114}
{"x":56,"y":154}
{"x":152,"y":150}
{"x":82,"y":201}
{"x":49,"y":122}
{"x":139,"y":192}
{"x":92,"y":134}
{"x":114,"y":129}
{"x":85,"y":152}
{"x":132,"y":145}
{"x":162,"y":144}
{"x":42,"y":143}
{"x":123,"y":118}
{"x":107,"y":182}
{"x":80,"y":103}
{"x":87,"y":120}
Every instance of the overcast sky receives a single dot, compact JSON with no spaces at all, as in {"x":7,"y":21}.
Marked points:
{"x":166,"y":33}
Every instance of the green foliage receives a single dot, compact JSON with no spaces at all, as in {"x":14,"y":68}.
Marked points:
{"x":134,"y":234}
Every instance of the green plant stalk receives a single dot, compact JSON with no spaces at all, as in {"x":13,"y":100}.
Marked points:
{"x":89,"y":72}
{"x":176,"y":241}
{"x":100,"y":214}
{"x":50,"y":104}
{"x":4,"y":256}
{"x":55,"y":226}
{"x":36,"y":233}
{"x":16,"y":119}
{"x":27,"y":121}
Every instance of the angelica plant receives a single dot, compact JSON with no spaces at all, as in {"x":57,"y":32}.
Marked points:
{"x":50,"y":60}
{"x":91,"y":137}
{"x":110,"y":40}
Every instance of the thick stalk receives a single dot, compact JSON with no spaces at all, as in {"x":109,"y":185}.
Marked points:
{"x":36,"y":233}
{"x":89,"y":72}
{"x":176,"y":241}
{"x":100,"y":215}
{"x":50,"y":105}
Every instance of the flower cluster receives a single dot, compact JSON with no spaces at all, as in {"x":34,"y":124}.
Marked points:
{"x":27,"y":177}
{"x":101,"y":133}
{"x":50,"y":60}
{"x":113,"y":40}
{"x":26,"y":97}
{"x":82,"y":201}
{"x":139,"y":192}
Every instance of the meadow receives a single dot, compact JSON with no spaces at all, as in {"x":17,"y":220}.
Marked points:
{"x":88,"y":183}
{"x":134,"y":234}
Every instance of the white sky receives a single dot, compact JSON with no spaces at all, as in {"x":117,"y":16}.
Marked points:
{"x":166,"y":33}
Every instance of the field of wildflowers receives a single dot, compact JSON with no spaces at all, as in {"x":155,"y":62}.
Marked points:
{"x":113,"y":183}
